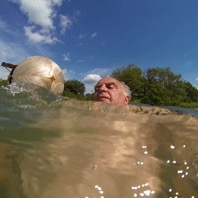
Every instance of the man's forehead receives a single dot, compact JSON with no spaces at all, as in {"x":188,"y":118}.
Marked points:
{"x":108,"y":80}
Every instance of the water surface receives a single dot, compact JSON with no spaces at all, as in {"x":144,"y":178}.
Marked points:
{"x":58,"y":147}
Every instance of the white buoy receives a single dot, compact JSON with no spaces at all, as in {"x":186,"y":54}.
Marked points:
{"x":40,"y":71}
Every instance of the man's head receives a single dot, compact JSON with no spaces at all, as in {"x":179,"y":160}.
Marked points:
{"x":110,"y":90}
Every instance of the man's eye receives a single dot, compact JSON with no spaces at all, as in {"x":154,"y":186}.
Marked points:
{"x":111,"y":86}
{"x":96,"y":88}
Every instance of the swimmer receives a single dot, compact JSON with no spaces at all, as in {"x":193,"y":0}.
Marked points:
{"x":111,"y":90}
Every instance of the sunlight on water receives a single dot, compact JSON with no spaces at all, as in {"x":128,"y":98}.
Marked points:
{"x":56,"y":147}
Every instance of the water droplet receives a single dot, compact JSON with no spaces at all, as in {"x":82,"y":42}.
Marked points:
{"x":172,"y":147}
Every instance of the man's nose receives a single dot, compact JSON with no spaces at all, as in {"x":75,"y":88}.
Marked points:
{"x":102,"y":88}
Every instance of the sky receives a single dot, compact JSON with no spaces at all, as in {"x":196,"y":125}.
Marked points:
{"x":90,"y":39}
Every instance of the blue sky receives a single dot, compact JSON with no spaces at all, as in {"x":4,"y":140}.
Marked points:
{"x":90,"y":38}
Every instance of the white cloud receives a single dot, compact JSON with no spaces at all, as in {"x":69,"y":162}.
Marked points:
{"x":94,"y":35}
{"x":101,"y":72}
{"x":66,"y":57}
{"x":41,"y":16}
{"x":89,"y":88}
{"x":40,"y":12}
{"x":65,"y":23}
{"x":37,"y":36}
{"x":197,"y":78}
{"x":91,"y":78}
{"x":90,"y":81}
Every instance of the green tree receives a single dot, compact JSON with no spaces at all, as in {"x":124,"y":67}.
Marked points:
{"x":89,"y":96}
{"x":73,"y":88}
{"x":163,"y":84}
{"x":191,"y":92}
{"x":132,"y":75}
{"x":155,"y":94}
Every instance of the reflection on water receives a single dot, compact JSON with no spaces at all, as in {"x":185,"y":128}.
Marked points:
{"x":54,"y":147}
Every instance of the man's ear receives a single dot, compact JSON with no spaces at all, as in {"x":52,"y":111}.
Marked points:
{"x":126,"y":100}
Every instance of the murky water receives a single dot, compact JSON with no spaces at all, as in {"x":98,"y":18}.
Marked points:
{"x":56,"y":147}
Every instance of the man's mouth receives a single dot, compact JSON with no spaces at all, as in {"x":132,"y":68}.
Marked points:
{"x":103,"y":99}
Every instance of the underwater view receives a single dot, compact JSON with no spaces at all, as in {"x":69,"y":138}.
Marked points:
{"x":57,"y":147}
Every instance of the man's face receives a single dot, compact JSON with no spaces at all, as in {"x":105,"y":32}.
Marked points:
{"x":110,"y":90}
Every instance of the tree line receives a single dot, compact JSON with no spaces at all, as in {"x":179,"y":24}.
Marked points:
{"x":158,"y":86}
{"x":155,"y":86}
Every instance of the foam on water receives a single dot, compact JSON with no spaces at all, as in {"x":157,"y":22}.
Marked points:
{"x":55,"y":147}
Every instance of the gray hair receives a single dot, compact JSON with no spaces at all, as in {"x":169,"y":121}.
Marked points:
{"x":127,"y":91}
